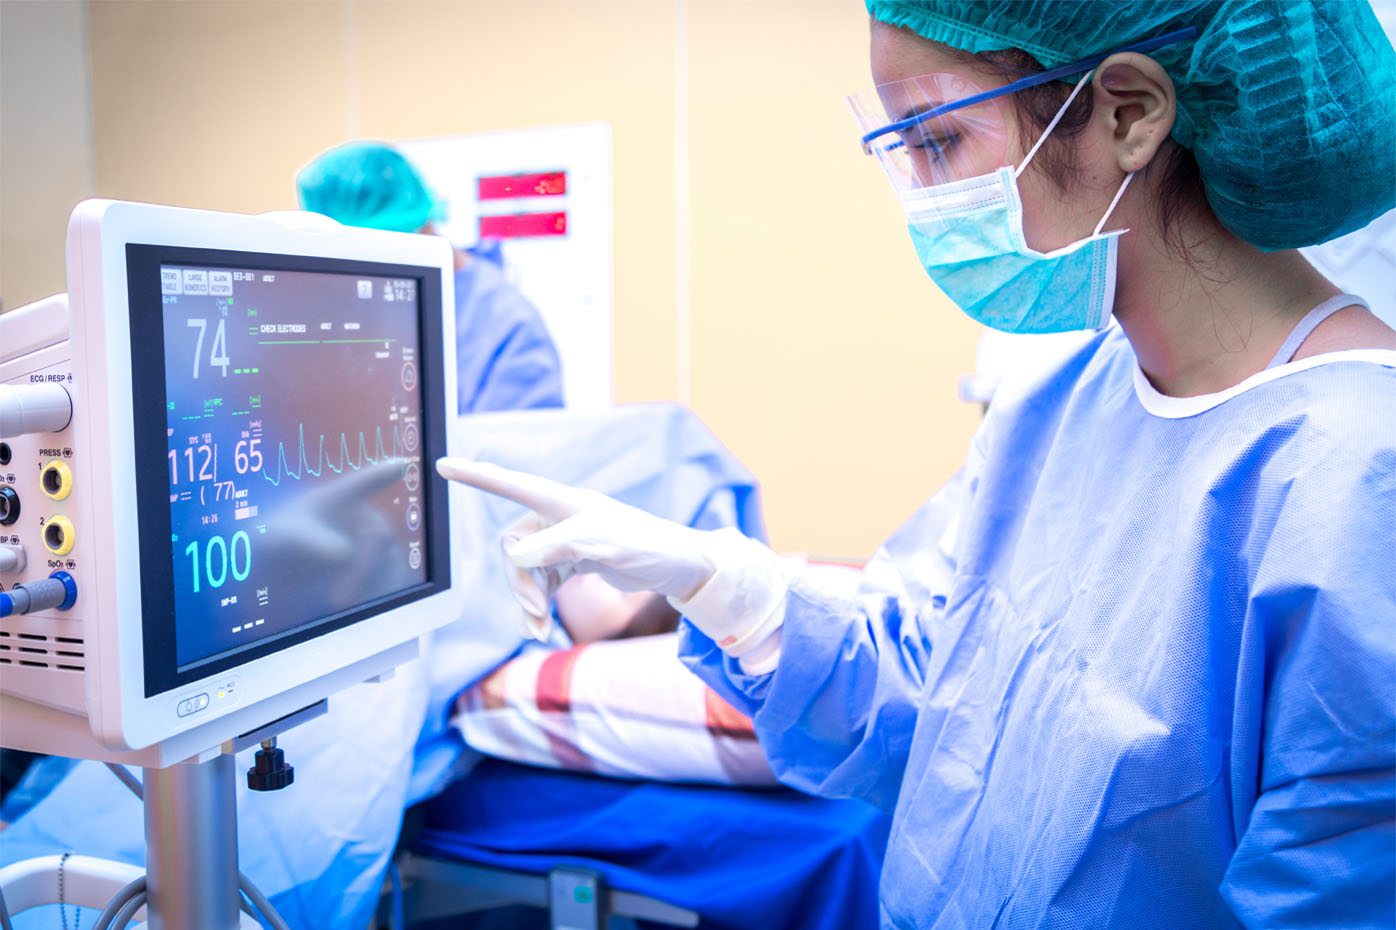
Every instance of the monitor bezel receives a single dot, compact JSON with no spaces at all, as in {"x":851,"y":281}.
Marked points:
{"x":162,"y":673}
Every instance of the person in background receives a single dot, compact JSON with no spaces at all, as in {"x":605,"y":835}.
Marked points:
{"x":505,"y":358}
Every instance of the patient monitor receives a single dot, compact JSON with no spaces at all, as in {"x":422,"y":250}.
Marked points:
{"x":217,"y":499}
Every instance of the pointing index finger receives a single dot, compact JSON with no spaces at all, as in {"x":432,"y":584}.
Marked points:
{"x":550,"y":499}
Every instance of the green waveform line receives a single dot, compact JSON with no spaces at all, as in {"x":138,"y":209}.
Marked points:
{"x":316,"y":342}
{"x":283,"y":470}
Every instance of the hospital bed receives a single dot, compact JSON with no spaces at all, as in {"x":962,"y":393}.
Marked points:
{"x":669,"y":853}
{"x":588,"y":847}
{"x":507,"y":834}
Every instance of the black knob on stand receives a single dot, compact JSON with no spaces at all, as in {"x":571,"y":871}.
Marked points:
{"x":269,"y":771}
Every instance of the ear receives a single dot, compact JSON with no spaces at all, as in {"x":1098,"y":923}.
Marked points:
{"x":1134,"y":101}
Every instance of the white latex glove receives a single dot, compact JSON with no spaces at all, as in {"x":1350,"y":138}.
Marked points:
{"x":733,"y":588}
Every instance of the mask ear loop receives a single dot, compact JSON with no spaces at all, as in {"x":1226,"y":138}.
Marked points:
{"x":1048,"y":131}
{"x":1111,"y":209}
{"x":1053,"y":124}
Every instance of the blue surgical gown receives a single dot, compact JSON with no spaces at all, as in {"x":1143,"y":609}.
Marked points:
{"x":505,"y":359}
{"x":1135,"y":667}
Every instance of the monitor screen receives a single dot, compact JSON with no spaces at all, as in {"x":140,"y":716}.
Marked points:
{"x":294,"y":492}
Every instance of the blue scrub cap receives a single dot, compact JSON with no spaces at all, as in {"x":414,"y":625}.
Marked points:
{"x":1287,"y":106}
{"x":368,"y":184}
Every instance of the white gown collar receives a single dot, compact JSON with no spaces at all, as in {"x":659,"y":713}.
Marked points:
{"x":1175,"y":408}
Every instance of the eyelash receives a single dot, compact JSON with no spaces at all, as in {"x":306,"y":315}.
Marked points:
{"x":937,"y":146}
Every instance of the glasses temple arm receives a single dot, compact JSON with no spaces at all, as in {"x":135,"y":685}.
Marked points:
{"x":1053,"y":74}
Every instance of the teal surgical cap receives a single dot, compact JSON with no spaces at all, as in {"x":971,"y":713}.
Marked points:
{"x":368,"y":184}
{"x":1289,"y":107}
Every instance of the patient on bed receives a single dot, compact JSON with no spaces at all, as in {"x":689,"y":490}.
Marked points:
{"x":617,"y":702}
{"x":590,"y":610}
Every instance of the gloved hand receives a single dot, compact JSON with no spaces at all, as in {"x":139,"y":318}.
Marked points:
{"x":731,"y":587}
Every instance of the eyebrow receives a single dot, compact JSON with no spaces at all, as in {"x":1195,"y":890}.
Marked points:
{"x":914,"y":112}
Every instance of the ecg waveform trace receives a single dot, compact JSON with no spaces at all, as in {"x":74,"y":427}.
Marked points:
{"x":283,"y":471}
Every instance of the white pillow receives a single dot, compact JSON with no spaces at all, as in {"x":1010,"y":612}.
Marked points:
{"x":626,"y":708}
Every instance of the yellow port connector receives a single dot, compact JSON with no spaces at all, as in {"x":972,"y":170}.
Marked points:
{"x":57,"y":480}
{"x":59,"y":535}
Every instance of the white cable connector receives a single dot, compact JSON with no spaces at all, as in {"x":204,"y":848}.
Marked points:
{"x":34,"y":408}
{"x":11,"y":559}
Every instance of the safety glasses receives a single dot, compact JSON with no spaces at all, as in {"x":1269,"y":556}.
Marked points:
{"x":942,"y":128}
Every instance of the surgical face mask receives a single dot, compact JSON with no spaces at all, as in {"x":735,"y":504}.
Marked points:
{"x":968,"y":226}
{"x":969,"y":237}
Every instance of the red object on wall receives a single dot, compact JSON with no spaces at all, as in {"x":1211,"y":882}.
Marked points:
{"x":509,"y":186}
{"x":523,"y":225}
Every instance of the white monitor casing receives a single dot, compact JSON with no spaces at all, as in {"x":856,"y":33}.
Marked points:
{"x":55,"y":710}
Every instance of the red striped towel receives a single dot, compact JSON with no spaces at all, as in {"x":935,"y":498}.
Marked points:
{"x":626,"y":708}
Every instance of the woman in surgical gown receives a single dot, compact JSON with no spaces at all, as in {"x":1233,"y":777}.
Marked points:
{"x":1136,"y":666}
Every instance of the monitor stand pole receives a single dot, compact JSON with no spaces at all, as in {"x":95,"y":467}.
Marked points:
{"x":191,"y":839}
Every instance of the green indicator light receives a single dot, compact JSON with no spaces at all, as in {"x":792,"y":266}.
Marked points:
{"x":581,"y":895}
{"x":256,"y":371}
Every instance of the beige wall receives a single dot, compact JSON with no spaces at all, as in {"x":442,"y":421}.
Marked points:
{"x":821,"y":353}
{"x":45,"y":141}
{"x":762,"y":272}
